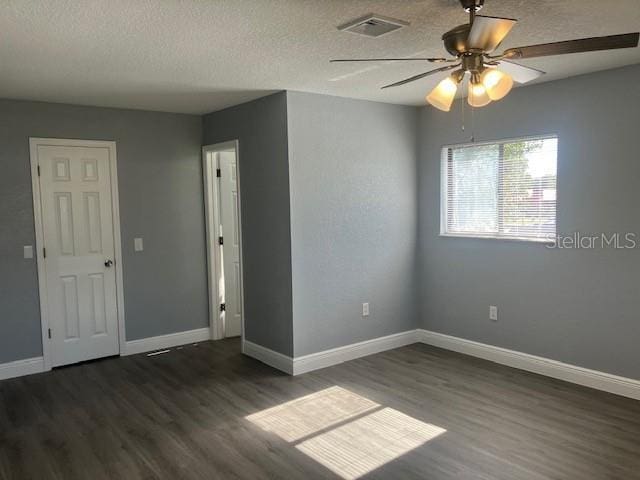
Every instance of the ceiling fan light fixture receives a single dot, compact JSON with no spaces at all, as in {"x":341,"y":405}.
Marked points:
{"x":496,"y":83}
{"x":478,"y":96}
{"x":472,"y":45}
{"x":443,"y":95}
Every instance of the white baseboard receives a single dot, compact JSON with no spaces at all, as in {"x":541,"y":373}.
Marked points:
{"x":607,"y":382}
{"x":273,"y":359}
{"x":327,"y":358}
{"x":19,"y":368}
{"x":167,"y":341}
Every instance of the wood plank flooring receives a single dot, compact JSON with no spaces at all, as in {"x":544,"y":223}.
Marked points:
{"x":201,"y":412}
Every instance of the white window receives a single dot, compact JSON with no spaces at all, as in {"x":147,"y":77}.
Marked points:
{"x":502,"y":189}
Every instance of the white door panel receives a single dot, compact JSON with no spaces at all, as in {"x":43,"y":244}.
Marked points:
{"x":231,"y":248}
{"x":75,"y":193}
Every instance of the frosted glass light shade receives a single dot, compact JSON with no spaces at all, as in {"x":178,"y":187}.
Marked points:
{"x":478,"y":96}
{"x":497,"y":84}
{"x":442,"y":96}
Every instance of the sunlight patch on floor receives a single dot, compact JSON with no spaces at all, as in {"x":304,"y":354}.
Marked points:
{"x":307,"y":415}
{"x":347,"y":433}
{"x":361,"y":446}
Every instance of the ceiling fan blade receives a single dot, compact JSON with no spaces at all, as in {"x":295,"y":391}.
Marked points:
{"x":488,"y":32}
{"x":520,"y":73}
{"x":437,"y":60}
{"x":611,"y":42}
{"x":422,"y":75}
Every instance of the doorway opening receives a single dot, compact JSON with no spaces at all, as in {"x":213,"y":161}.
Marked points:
{"x":224,"y":239}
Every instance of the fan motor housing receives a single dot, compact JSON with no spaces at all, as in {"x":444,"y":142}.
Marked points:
{"x":455,"y":40}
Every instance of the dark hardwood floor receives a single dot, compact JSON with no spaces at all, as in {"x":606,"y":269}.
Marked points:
{"x":417,"y":412}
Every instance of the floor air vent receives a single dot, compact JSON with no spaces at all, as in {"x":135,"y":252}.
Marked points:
{"x":373,"y":25}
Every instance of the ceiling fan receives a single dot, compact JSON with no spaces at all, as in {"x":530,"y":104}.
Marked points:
{"x":491,"y":77}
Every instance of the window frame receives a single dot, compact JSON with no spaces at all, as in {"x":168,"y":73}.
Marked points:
{"x":444,"y":189}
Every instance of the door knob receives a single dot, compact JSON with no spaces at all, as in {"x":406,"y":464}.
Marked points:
{"x":108,"y":263}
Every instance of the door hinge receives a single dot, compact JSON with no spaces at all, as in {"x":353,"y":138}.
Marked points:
{"x":44,"y":252}
{"x":220,"y":241}
{"x":49,"y":332}
{"x":38,"y":170}
{"x":223,"y":307}
{"x":218,"y":173}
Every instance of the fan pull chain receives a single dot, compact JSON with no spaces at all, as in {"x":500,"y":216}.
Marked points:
{"x":473,"y":125}
{"x":462,"y":107}
{"x":462,"y":102}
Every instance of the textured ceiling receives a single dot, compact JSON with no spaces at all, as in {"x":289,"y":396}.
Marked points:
{"x":195,"y":56}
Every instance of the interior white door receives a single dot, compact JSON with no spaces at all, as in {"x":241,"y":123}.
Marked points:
{"x":230,"y":232}
{"x":77,"y":217}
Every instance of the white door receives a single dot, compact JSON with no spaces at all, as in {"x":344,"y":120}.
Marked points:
{"x":231,"y":244}
{"x":77,"y":221}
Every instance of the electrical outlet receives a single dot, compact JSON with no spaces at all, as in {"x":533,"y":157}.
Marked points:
{"x":493,"y":313}
{"x":138,"y":245}
{"x":365,"y":309}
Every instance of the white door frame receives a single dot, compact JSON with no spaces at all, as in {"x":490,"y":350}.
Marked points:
{"x":34,"y":143}
{"x":212,"y":222}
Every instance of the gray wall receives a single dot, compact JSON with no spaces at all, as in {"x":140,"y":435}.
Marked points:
{"x":261,"y":128}
{"x":330,"y":204}
{"x":160,"y":183}
{"x":353,"y":219}
{"x":576,"y":306}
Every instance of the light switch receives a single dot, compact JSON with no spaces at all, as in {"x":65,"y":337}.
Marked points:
{"x":137,"y":244}
{"x":28,"y":251}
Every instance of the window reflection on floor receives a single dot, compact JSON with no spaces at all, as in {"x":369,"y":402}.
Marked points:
{"x":347,"y":433}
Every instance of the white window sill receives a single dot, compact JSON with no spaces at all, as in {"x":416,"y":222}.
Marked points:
{"x":495,"y":237}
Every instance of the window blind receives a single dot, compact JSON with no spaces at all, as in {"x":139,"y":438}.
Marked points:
{"x":503,"y":189}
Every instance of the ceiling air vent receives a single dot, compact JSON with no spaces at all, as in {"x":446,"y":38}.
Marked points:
{"x":373,"y":25}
